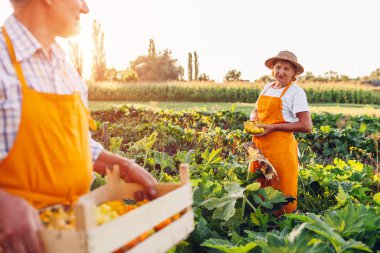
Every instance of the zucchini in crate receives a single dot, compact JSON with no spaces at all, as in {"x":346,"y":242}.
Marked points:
{"x":102,"y":222}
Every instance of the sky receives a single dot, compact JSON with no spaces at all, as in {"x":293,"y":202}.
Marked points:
{"x":338,"y":35}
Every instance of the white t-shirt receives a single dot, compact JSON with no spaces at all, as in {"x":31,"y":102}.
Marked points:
{"x":293,"y":101}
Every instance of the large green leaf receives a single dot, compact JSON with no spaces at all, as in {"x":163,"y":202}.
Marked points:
{"x":186,"y":157}
{"x":227,"y":246}
{"x":211,"y":159}
{"x":257,"y":236}
{"x":146,"y":143}
{"x":236,"y":220}
{"x":115,"y":144}
{"x":316,"y":225}
{"x":234,"y":191}
{"x":299,"y":217}
{"x":298,"y":240}
{"x":205,"y":189}
{"x":226,"y":212}
{"x":355,"y":222}
{"x":376,"y":198}
{"x":164,"y":160}
{"x":201,"y":231}
{"x":260,"y":219}
{"x":225,"y":206}
{"x":182,"y":247}
{"x":269,"y":197}
{"x":341,"y":197}
{"x":253,"y":187}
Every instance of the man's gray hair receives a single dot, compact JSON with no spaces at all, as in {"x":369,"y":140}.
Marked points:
{"x":17,"y":2}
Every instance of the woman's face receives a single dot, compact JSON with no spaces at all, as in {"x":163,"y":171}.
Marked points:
{"x":283,"y":72}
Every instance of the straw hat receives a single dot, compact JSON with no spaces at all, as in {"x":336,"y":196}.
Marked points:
{"x":285,"y":56}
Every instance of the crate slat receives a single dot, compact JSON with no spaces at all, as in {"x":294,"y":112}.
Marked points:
{"x":167,"y":237}
{"x":114,"y":234}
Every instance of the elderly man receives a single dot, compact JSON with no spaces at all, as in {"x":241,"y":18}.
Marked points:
{"x":46,"y":153}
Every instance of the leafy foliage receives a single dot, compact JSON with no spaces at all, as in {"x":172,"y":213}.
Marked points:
{"x":157,"y":67}
{"x":232,"y":75}
{"x":228,"y":247}
{"x":337,"y":186}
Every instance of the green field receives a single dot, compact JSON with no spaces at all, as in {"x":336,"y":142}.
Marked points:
{"x":347,"y":109}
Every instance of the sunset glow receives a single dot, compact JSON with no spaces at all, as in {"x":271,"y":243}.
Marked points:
{"x":326,"y":35}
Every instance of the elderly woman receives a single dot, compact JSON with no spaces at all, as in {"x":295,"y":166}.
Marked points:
{"x":283,"y":109}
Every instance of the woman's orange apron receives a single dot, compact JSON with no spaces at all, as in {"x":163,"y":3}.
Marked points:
{"x":279,"y":147}
{"x":50,"y":161}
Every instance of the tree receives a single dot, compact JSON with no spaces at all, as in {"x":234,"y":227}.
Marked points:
{"x":265,"y":79}
{"x":76,"y":55}
{"x":128,"y":75}
{"x":190,"y":67}
{"x":111,"y":74}
{"x":309,"y":76}
{"x":344,"y":78}
{"x":157,"y":67}
{"x":99,"y":66}
{"x":332,"y":76}
{"x":152,"y":48}
{"x":196,"y":66}
{"x":181,"y":73}
{"x":204,"y":77}
{"x":375,"y":74}
{"x":232,"y":75}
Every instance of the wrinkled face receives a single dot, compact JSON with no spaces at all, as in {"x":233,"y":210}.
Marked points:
{"x":283,"y":72}
{"x":65,"y":16}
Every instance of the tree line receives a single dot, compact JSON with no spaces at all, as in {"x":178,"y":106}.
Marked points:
{"x":161,"y":66}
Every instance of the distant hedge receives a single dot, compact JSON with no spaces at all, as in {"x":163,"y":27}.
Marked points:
{"x":162,"y":92}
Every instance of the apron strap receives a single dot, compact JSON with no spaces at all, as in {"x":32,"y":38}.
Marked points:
{"x":269,"y":86}
{"x":21,"y":77}
{"x":12,"y":54}
{"x":283,"y":92}
{"x":287,"y":87}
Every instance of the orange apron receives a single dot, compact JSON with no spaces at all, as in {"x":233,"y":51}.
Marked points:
{"x":279,"y":147}
{"x":50,"y":161}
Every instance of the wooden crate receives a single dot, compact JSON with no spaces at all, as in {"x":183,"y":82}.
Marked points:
{"x":90,"y":238}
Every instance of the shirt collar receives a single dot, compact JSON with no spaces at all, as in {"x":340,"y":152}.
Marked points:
{"x":58,"y":51}
{"x":24,"y":42}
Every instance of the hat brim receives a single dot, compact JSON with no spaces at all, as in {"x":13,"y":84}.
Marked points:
{"x":270,"y":63}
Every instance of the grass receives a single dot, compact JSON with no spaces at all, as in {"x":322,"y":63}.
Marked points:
{"x":346,"y":109}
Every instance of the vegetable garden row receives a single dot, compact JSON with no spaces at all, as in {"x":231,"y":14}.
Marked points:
{"x":339,"y":181}
{"x":181,"y":93}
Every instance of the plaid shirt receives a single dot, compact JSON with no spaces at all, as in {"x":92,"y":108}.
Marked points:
{"x":46,"y":72}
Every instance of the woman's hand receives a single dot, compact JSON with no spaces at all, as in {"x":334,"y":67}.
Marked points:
{"x":19,"y":224}
{"x":268,"y":128}
{"x":304,"y":124}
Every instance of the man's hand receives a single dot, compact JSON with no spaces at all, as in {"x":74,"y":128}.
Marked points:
{"x":132,"y":172}
{"x":19,"y":223}
{"x":129,"y":171}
